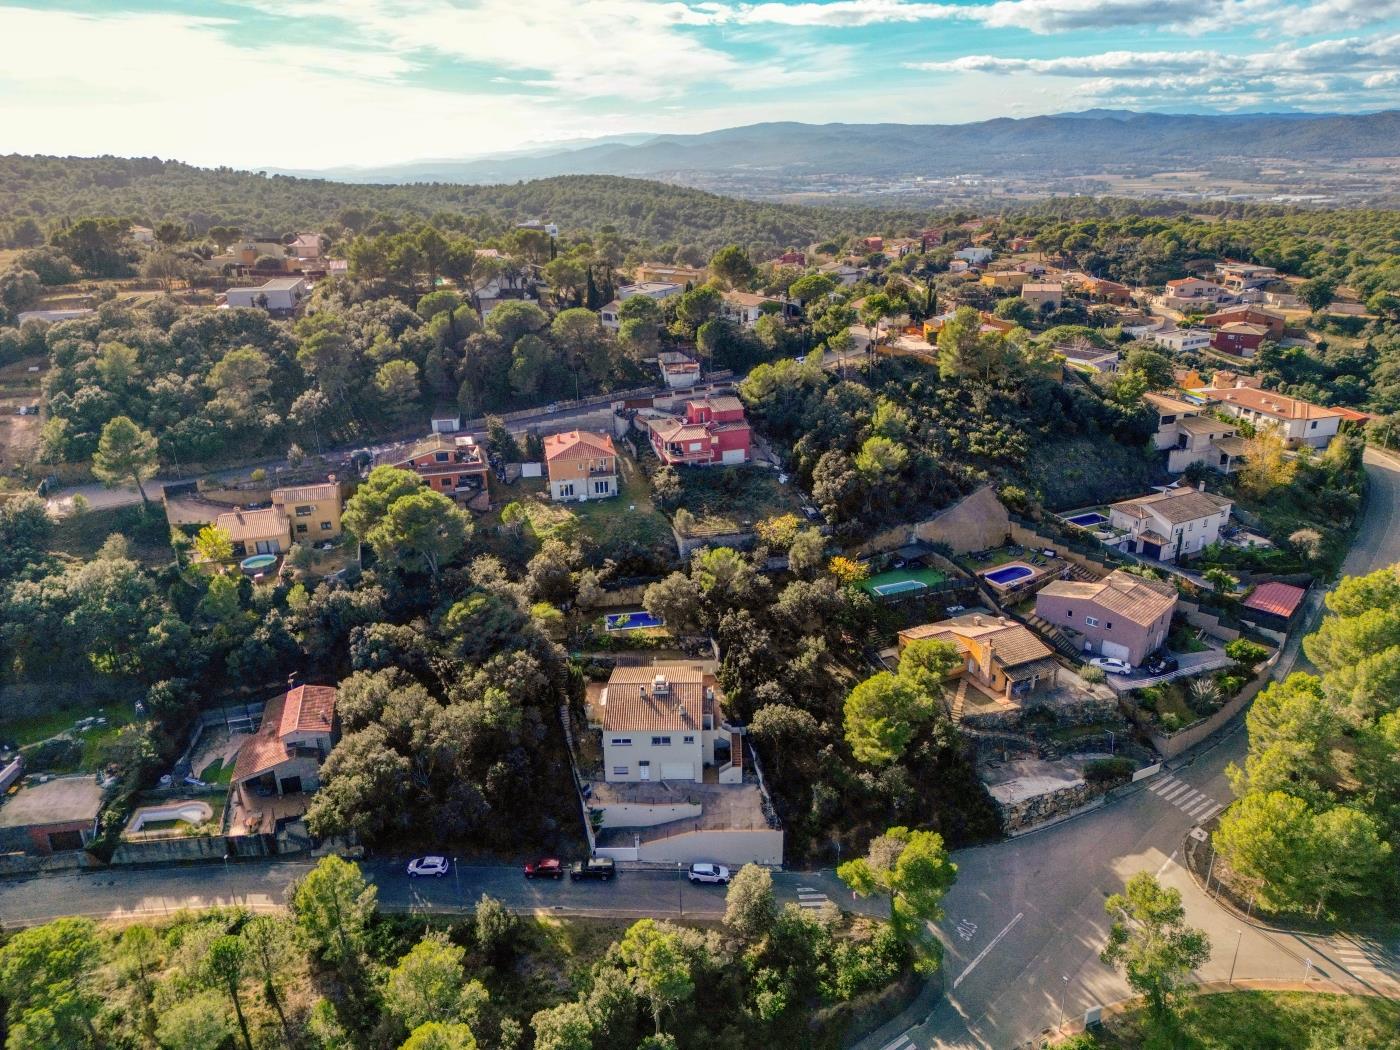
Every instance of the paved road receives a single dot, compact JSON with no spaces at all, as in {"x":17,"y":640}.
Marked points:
{"x":262,"y":885}
{"x":1025,"y":921}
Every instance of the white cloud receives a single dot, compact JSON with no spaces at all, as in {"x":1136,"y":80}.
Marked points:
{"x":172,"y":85}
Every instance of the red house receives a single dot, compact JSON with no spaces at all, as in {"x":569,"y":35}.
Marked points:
{"x":713,"y":430}
{"x":453,"y":465}
{"x":1238,"y":338}
{"x":793,"y":258}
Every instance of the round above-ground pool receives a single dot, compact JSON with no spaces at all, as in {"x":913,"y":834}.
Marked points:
{"x":258,"y":563}
{"x":1009,"y":575}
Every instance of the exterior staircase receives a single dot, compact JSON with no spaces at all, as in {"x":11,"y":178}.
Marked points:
{"x":1079,"y":572}
{"x":1056,"y":638}
{"x":959,"y":701}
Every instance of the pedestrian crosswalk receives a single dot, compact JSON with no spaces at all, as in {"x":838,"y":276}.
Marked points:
{"x":902,"y":1043}
{"x":811,"y":897}
{"x":1368,"y":962}
{"x":1197,"y":805}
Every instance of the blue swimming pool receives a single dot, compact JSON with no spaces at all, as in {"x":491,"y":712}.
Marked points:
{"x":631,"y":621}
{"x":1089,"y":520}
{"x":1008,"y":574}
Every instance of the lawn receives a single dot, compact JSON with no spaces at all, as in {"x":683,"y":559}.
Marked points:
{"x":928,"y":577}
{"x":1266,"y":1021}
{"x":626,"y":528}
{"x":146,"y":532}
{"x":217,"y":772}
{"x":732,"y":499}
{"x":86,"y":752}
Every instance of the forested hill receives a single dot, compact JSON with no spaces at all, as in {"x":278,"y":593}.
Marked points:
{"x":1067,"y":143}
{"x":149,"y":190}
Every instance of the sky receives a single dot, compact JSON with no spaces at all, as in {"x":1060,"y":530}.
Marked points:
{"x":308,"y":84}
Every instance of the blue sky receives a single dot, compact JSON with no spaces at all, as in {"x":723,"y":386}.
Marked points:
{"x":318,"y":83}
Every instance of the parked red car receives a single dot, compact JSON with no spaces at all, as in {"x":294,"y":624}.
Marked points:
{"x":548,"y":868}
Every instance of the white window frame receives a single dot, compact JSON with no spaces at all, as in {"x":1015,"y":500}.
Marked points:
{"x":1090,"y":621}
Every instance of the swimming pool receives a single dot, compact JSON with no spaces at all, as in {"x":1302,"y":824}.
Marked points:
{"x":258,"y":562}
{"x":1006,"y":575}
{"x":902,"y":581}
{"x":1085,"y":521}
{"x":631,"y":621}
{"x":898,"y":587}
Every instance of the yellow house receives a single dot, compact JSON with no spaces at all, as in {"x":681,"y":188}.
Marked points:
{"x":1005,"y":279}
{"x":256,"y":531}
{"x":313,"y":511}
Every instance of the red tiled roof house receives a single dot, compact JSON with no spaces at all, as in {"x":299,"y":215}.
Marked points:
{"x":284,"y":756}
{"x":582,"y":466}
{"x":713,"y":430}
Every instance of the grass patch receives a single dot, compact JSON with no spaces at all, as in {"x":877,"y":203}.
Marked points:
{"x":217,"y":772}
{"x":732,"y":499}
{"x":627,"y":528}
{"x":928,"y":577}
{"x":1265,"y":1021}
{"x":146,"y":531}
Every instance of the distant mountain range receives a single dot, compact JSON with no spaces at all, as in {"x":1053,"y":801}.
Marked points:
{"x":1065,"y":144}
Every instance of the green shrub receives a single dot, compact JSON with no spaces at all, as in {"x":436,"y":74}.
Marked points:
{"x":1230,"y":684}
{"x":1246,"y":653}
{"x":1102,"y":772}
{"x":1093,"y":675}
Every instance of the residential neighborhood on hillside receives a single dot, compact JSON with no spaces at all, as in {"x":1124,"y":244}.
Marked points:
{"x":593,"y":614}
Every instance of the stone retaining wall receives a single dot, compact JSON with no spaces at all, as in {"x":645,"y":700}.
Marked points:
{"x":1029,"y":812}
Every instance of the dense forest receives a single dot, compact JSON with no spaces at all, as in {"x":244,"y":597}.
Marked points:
{"x":55,"y":190}
{"x":333,"y":972}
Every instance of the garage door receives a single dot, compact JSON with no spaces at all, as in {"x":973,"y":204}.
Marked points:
{"x":677,"y":771}
{"x":1114,"y":649}
{"x":732,"y":455}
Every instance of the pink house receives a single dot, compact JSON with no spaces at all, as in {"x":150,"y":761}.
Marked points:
{"x":712,"y":430}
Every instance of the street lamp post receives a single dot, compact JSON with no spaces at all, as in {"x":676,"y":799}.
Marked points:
{"x":1307,"y":970}
{"x":1236,"y":956}
{"x":457,"y":878}
{"x":1063,"y":989}
{"x":680,"y":888}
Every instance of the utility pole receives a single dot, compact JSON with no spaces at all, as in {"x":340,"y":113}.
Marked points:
{"x":1063,"y":989}
{"x":680,"y":888}
{"x":1234,"y":960}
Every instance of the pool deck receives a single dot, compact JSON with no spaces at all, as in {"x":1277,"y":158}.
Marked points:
{"x":1033,"y":573}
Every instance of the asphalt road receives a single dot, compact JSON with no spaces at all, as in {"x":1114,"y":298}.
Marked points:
{"x":1025,"y":921}
{"x":262,"y":885}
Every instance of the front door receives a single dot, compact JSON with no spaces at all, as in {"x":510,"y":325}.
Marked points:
{"x":643,"y":770}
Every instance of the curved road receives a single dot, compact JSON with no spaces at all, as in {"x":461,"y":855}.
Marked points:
{"x":1025,"y":921}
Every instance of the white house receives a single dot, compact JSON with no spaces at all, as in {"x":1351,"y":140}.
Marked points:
{"x":280,"y":293}
{"x":1181,"y":339}
{"x":610,"y":315}
{"x":307,"y":246}
{"x":1189,"y":437}
{"x":745,"y":308}
{"x":142,"y":234}
{"x":663,"y":722}
{"x":1166,"y":526}
{"x":657,"y":290}
{"x":974,"y":256}
{"x":1299,"y":422}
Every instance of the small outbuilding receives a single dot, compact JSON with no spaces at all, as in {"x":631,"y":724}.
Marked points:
{"x":52,"y":817}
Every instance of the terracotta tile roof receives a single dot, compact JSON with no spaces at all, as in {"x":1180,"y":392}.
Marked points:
{"x":561,"y":444}
{"x":1272,"y":403}
{"x":723,"y":403}
{"x":1135,"y":598}
{"x":1176,"y":506}
{"x":244,"y":525}
{"x":1012,"y":644}
{"x":1281,"y":599}
{"x":308,"y":709}
{"x":632,"y":701}
{"x":264,"y":749}
{"x":1169,"y":404}
{"x":306,"y":493}
{"x":305,"y":709}
{"x":749,"y":299}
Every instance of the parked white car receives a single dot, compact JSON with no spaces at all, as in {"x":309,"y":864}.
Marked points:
{"x":709,"y":873}
{"x":435,"y":867}
{"x":1111,"y":665}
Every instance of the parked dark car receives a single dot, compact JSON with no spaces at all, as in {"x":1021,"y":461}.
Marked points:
{"x":601,"y":868}
{"x":1162,"y":663}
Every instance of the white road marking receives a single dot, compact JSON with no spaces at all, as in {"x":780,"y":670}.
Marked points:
{"x":1201,"y":806}
{"x":1211,"y":812}
{"x":1177,"y":792}
{"x":1187,"y":800}
{"x":901,"y":1041}
{"x":983,"y":953}
{"x":1162,"y":784}
{"x":1166,"y":864}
